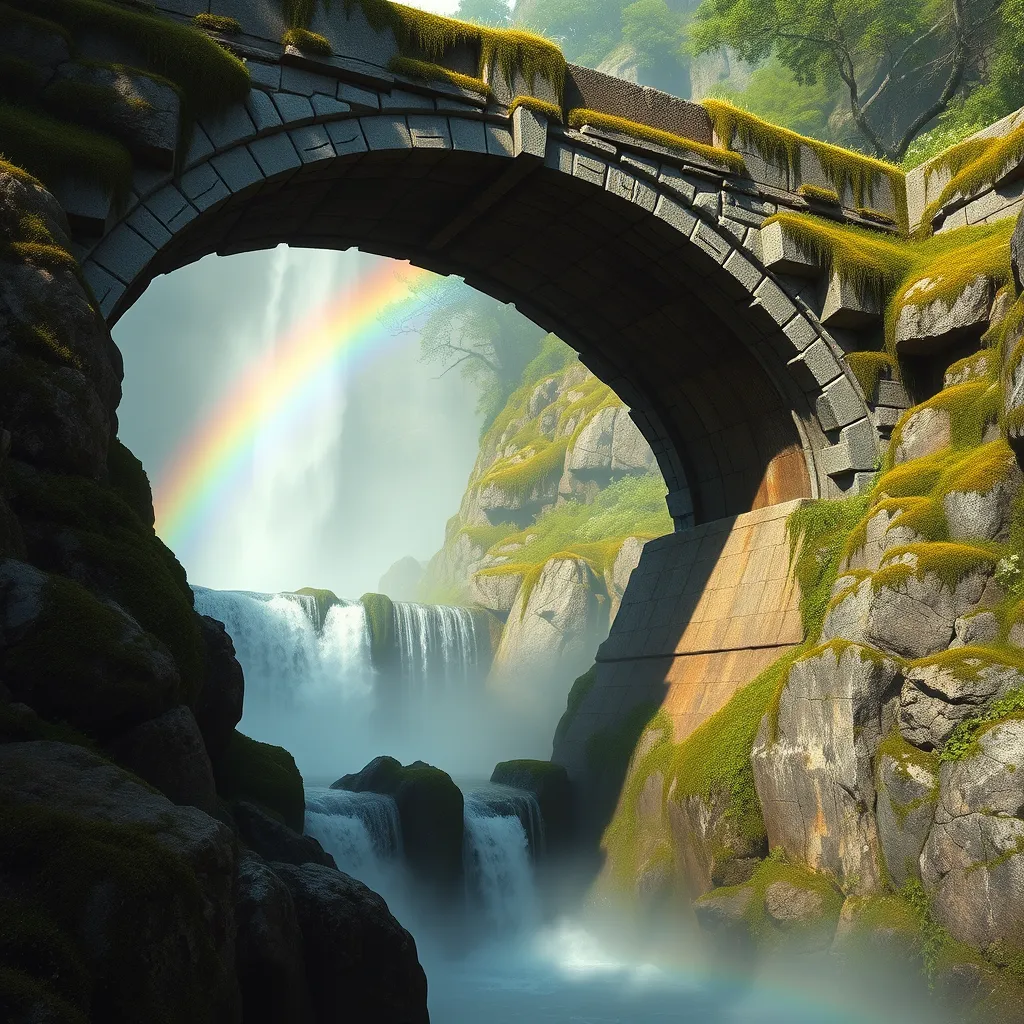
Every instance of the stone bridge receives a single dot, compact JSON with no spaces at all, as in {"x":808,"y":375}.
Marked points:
{"x":649,"y":258}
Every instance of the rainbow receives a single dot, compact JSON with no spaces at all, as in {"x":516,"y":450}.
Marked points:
{"x":275,"y":391}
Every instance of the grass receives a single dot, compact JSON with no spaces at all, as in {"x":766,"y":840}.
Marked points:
{"x":784,"y":148}
{"x":438,"y":72}
{"x":308,"y":42}
{"x":728,"y":161}
{"x":972,"y":164}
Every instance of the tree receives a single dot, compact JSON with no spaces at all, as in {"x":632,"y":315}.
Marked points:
{"x":587,"y":30}
{"x":460,"y":328}
{"x":485,"y":12}
{"x":891,"y":57}
{"x":655,"y":32}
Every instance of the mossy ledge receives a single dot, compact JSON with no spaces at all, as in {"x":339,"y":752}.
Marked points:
{"x":308,"y":42}
{"x":439,"y":73}
{"x":380,"y":620}
{"x":265,"y":775}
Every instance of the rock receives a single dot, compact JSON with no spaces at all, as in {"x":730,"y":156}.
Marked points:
{"x":143,"y":112}
{"x":401,"y":582}
{"x":973,"y":862}
{"x":592,"y":450}
{"x":907,"y":793}
{"x":880,"y":538}
{"x":141,"y":888}
{"x":724,"y":912}
{"x":977,"y":628}
{"x":542,"y":396}
{"x":430,"y":810}
{"x":814,"y":772}
{"x":265,"y":775}
{"x":788,"y":905}
{"x":497,"y":592}
{"x":1017,"y":254}
{"x":218,"y":708}
{"x":557,"y":629}
{"x":924,"y":432}
{"x":274,"y":841}
{"x":883,"y":931}
{"x":937,"y":696}
{"x":932,"y":326}
{"x":34,"y":43}
{"x":75,"y":659}
{"x":168,"y":752}
{"x":549,"y":783}
{"x":974,"y":516}
{"x":622,"y":568}
{"x":269,"y":954}
{"x":361,"y":964}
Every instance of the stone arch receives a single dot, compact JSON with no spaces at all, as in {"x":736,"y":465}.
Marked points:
{"x":647,"y":263}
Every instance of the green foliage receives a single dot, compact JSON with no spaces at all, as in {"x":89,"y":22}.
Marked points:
{"x":964,"y":740}
{"x":437,"y":72}
{"x":587,"y":29}
{"x":818,"y":532}
{"x":380,"y":617}
{"x":46,"y":147}
{"x":947,"y":560}
{"x":655,"y":32}
{"x":577,"y":693}
{"x":218,"y":23}
{"x":129,"y":481}
{"x":496,"y":13}
{"x":784,"y":148}
{"x":262,"y":774}
{"x":308,"y":42}
{"x":718,"y":157}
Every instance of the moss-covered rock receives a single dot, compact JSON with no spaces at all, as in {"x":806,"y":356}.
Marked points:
{"x":549,"y":783}
{"x":380,"y":617}
{"x":430,"y":809}
{"x":75,"y":659}
{"x":130,"y":481}
{"x":265,"y":775}
{"x":218,"y":708}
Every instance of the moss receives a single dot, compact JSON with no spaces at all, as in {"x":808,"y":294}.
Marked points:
{"x":814,"y":194}
{"x":523,"y":473}
{"x":877,"y":216}
{"x":209,"y":76}
{"x":19,"y":174}
{"x":843,"y":168}
{"x":552,"y":111}
{"x":817,"y":535}
{"x":218,"y":23}
{"x":964,"y":740}
{"x":869,"y":368}
{"x":129,"y":481}
{"x":149,"y":896}
{"x":262,"y":774}
{"x":577,"y":694}
{"x":438,"y":73}
{"x":380,"y":618}
{"x":904,"y":755}
{"x":973,"y":164}
{"x":308,"y":42}
{"x":487,"y":537}
{"x":119,"y":555}
{"x":12,"y":18}
{"x":718,"y":157}
{"x":949,"y":561}
{"x":20,"y":79}
{"x":46,"y":147}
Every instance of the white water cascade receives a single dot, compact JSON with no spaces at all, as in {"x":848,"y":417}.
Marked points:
{"x":496,"y":855}
{"x":436,"y":642}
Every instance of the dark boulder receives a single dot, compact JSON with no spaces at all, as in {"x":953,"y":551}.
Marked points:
{"x":218,"y":708}
{"x":549,"y":783}
{"x":430,"y":809}
{"x":361,"y":964}
{"x":262,"y":774}
{"x":269,"y":954}
{"x":274,"y":841}
{"x":168,"y":752}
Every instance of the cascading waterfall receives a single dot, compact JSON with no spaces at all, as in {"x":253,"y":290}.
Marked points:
{"x":359,"y":830}
{"x":499,"y":873}
{"x":436,"y":642}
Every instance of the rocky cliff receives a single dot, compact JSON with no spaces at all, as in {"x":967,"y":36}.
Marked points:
{"x":864,"y":793}
{"x":564,"y":494}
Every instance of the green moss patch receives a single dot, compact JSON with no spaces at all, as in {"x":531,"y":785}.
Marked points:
{"x":815,"y":194}
{"x":130,"y":482}
{"x":438,"y":73}
{"x":871,"y":367}
{"x":218,"y":23}
{"x":552,"y":111}
{"x":784,"y":148}
{"x":380,"y":618}
{"x":262,"y":774}
{"x":308,"y":42}
{"x":949,"y":561}
{"x":718,"y":157}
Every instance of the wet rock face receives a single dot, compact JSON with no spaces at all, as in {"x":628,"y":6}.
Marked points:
{"x":973,"y":861}
{"x":361,"y":963}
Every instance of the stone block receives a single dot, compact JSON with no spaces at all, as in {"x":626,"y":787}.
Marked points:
{"x":844,"y":306}
{"x":107,"y":288}
{"x":815,"y":366}
{"x":558,"y":157}
{"x":203,"y":187}
{"x":529,"y":132}
{"x":171,"y":208}
{"x":429,"y":131}
{"x":237,"y":169}
{"x":328,"y":106}
{"x":841,"y":402}
{"x":746,"y":209}
{"x":400,"y":99}
{"x":857,"y":450}
{"x":386,"y":132}
{"x":346,"y":136}
{"x":275,"y":154}
{"x":781,"y":254}
{"x":361,"y":100}
{"x":264,"y":114}
{"x":640,"y":163}
{"x":124,"y":253}
{"x":892,"y":392}
{"x":930,"y":326}
{"x":674,"y":179}
{"x":312,"y":143}
{"x":149,"y":227}
{"x":711,"y":244}
{"x":89,"y":207}
{"x":306,"y":83}
{"x":778,"y":304}
{"x":675,"y":214}
{"x":229,"y":126}
{"x":800,"y":332}
{"x":264,"y":76}
{"x":468,"y":136}
{"x":294,"y":110}
{"x":499,"y":141}
{"x":199,"y":148}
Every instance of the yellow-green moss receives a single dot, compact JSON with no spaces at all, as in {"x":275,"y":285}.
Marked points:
{"x":869,"y":368}
{"x":380,"y":618}
{"x":782,"y":147}
{"x":437,"y":72}
{"x":549,"y":110}
{"x":947,"y":560}
{"x":218,"y":23}
{"x":308,"y":42}
{"x":719,"y":157}
{"x":265,"y":775}
{"x":521,"y":474}
{"x":815,"y":194}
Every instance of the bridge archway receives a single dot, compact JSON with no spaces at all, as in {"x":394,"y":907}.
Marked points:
{"x":647,"y":264}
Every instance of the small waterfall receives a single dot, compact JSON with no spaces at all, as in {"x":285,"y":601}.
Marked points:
{"x":436,"y":641}
{"x":287,"y":654}
{"x":361,"y":831}
{"x":506,"y":801}
{"x":499,"y":874}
